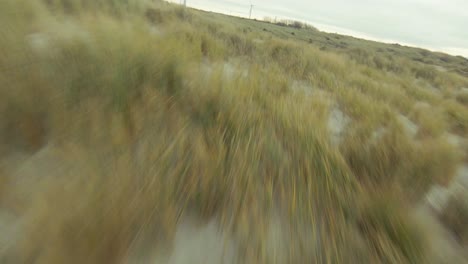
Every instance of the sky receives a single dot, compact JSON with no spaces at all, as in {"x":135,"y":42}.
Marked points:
{"x":439,"y":25}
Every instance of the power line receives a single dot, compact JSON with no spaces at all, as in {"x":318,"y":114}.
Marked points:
{"x":250,"y":13}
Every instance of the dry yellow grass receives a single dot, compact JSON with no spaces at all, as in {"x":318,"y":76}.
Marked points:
{"x":113,"y":101}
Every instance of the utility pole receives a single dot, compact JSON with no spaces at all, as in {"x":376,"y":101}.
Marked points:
{"x":185,"y":9}
{"x":250,"y":13}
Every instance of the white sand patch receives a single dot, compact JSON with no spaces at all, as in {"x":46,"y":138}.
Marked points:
{"x":420,"y":105}
{"x":9,"y":229}
{"x":47,"y":162}
{"x":258,"y":41}
{"x":378,"y":134}
{"x":440,"y":68}
{"x":306,"y":89}
{"x":39,"y":42}
{"x":201,"y":245}
{"x":156,"y":31}
{"x":337,"y":122}
{"x":453,"y":139}
{"x":438,"y":197}
{"x":209,"y":244}
{"x":423,"y":85}
{"x":410,"y":127}
{"x":43,"y":42}
{"x":433,"y":89}
{"x":276,"y":241}
{"x":464,"y":90}
{"x":230,"y":70}
{"x":461,"y":179}
{"x":69,"y":30}
{"x":443,"y":247}
{"x":301,"y":87}
{"x":25,"y":174}
{"x":206,"y":68}
{"x":461,"y":92}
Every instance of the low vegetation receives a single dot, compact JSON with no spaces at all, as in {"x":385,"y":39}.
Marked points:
{"x":139,"y":113}
{"x":289,"y":23}
{"x":455,"y":216}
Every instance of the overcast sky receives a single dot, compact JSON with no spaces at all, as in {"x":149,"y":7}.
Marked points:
{"x":434,"y":24}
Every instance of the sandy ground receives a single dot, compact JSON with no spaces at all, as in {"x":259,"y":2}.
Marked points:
{"x":337,"y":123}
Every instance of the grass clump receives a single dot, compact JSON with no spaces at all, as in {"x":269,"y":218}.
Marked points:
{"x":432,"y":122}
{"x":391,"y":231}
{"x":439,"y":166}
{"x":117,"y":7}
{"x":455,"y":216}
{"x":462,"y":98}
{"x":376,"y":161}
{"x":387,"y":158}
{"x":457,"y":115}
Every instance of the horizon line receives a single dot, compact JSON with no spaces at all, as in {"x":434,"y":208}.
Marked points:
{"x":326,"y":28}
